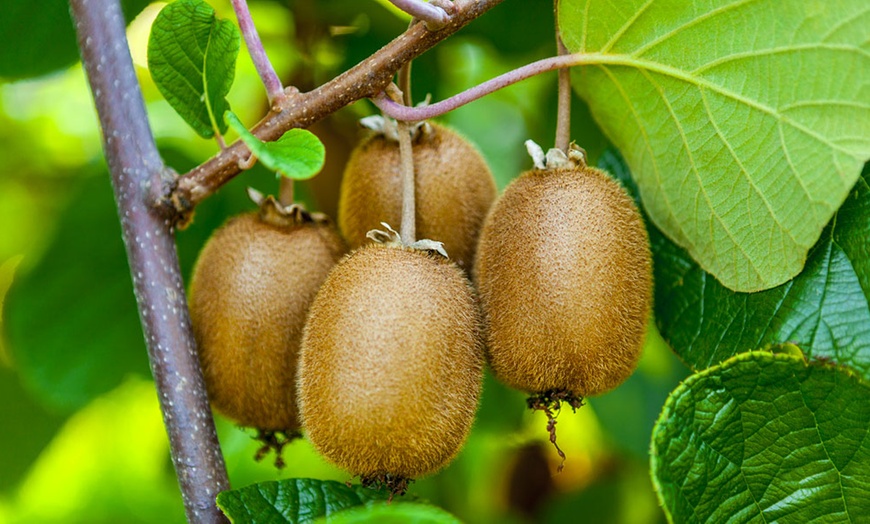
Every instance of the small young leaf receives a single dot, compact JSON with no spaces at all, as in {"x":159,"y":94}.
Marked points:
{"x":765,"y":438}
{"x":745,"y":123}
{"x":298,"y":154}
{"x":294,"y":501}
{"x":192,"y":58}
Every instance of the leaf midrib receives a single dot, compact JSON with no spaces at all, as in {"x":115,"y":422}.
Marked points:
{"x":602,"y":59}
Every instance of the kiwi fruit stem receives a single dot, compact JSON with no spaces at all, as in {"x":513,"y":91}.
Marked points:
{"x":285,"y":191}
{"x":563,"y":108}
{"x":405,"y":81}
{"x":408,"y":228}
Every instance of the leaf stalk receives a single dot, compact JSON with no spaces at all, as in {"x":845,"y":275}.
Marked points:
{"x":416,"y":114}
{"x":274,"y":89}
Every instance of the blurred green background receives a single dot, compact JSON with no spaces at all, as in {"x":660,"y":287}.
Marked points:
{"x":81,"y":436}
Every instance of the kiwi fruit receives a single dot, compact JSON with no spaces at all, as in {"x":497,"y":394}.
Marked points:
{"x":564,"y":277}
{"x":454,"y":189}
{"x":250,"y":292}
{"x":391,"y":366}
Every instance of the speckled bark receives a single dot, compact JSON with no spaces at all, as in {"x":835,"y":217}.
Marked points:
{"x":138,"y":174}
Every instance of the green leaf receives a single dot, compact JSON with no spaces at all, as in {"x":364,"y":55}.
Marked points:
{"x":40,"y":36}
{"x":746,"y":123}
{"x":295,"y":501}
{"x":27,"y":429}
{"x":298,"y":154}
{"x":825,"y":310}
{"x":7,"y":272}
{"x":765,"y":438}
{"x":72,"y":324}
{"x":396,"y":513}
{"x":192,"y":58}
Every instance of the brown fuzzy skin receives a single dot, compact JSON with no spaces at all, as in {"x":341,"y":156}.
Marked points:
{"x":454,"y":191}
{"x":564,"y":273}
{"x":249,"y":296}
{"x":392,"y":363}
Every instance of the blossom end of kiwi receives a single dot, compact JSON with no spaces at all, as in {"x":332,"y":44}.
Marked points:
{"x":550,"y":402}
{"x":395,"y":484}
{"x":274,"y":440}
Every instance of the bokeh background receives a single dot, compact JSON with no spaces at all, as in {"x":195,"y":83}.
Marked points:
{"x":81,"y":436}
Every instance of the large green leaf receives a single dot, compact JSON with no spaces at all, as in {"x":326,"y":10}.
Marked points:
{"x":295,"y":501}
{"x":192,"y":58}
{"x":39,"y":37}
{"x":298,"y":154}
{"x":825,"y":310}
{"x":746,"y":123}
{"x":765,"y":438}
{"x":72,"y":325}
{"x":27,"y":428}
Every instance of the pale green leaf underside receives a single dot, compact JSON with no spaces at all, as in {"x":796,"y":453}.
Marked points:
{"x":192,"y":58}
{"x":765,"y":438}
{"x":298,"y":154}
{"x":745,"y":122}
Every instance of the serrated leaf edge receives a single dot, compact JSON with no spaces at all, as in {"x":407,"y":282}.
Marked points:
{"x":686,"y":384}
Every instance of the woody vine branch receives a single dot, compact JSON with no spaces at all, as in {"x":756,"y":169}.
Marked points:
{"x":299,"y":110}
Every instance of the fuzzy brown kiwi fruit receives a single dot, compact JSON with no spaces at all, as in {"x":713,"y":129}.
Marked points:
{"x":565,"y":283}
{"x":454,"y":189}
{"x":391,"y":366}
{"x":251,"y":289}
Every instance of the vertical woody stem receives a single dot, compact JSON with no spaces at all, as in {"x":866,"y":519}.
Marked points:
{"x":138,"y":174}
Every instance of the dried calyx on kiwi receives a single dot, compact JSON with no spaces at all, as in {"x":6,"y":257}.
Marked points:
{"x":565,"y":282}
{"x":392,"y":361}
{"x":453,"y":185}
{"x":250,"y":293}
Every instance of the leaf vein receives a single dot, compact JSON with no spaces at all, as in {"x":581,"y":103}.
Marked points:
{"x":825,"y":103}
{"x":842,"y":24}
{"x":626,"y":26}
{"x":585,"y":26}
{"x":669,"y":71}
{"x":756,"y":53}
{"x":822,"y":440}
{"x":643,"y":132}
{"x":693,"y":164}
{"x":673,"y":32}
